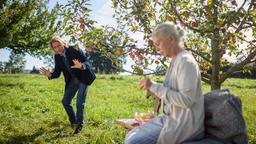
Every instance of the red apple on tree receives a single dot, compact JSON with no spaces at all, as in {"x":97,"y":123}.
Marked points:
{"x":233,"y":2}
{"x":131,"y":55}
{"x":222,"y":52}
{"x":138,"y":52}
{"x":81,"y":20}
{"x":89,"y":49}
{"x":194,"y":24}
{"x":82,"y":26}
{"x":142,"y":5}
{"x":119,"y":51}
{"x":169,"y":18}
{"x":140,"y":57}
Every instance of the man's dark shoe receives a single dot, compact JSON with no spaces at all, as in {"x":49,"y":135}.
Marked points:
{"x":78,"y":130}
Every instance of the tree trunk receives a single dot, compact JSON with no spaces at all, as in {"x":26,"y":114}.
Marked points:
{"x":215,"y":64}
{"x":215,"y":42}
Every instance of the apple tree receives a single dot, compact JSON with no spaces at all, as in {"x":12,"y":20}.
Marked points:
{"x":27,"y":26}
{"x":103,"y":41}
{"x":218,"y":32}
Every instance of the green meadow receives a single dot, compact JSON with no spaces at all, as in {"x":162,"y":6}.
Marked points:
{"x":31,"y":110}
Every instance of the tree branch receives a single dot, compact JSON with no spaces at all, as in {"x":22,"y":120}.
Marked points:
{"x":205,"y":58}
{"x":253,"y":61}
{"x":121,"y":4}
{"x":207,"y":76}
{"x":173,"y":8}
{"x":237,"y":66}
{"x":133,"y":73}
{"x":244,"y":27}
{"x":249,"y":42}
{"x":238,"y":11}
{"x":204,"y":79}
{"x":240,"y":27}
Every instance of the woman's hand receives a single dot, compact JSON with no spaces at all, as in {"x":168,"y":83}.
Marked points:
{"x":77,"y":64}
{"x":145,"y":83}
{"x":45,"y":72}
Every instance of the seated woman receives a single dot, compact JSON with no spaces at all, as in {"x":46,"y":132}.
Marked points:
{"x":181,"y":95}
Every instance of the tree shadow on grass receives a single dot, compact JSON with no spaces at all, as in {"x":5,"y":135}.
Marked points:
{"x":57,"y":130}
{"x":242,"y":86}
{"x":12,"y":85}
{"x":22,"y":139}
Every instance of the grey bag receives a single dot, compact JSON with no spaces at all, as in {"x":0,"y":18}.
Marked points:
{"x":224,"y":122}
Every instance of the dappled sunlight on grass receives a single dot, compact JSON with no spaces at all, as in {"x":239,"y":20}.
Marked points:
{"x":31,"y":109}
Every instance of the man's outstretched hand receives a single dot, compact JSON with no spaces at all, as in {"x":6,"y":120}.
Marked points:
{"x":45,"y":72}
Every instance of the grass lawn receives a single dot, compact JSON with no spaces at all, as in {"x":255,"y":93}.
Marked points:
{"x":31,"y":110}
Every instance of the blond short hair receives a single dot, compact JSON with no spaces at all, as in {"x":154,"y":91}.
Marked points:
{"x":167,"y":29}
{"x":57,"y":39}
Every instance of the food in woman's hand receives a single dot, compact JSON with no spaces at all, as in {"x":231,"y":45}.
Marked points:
{"x":143,"y":117}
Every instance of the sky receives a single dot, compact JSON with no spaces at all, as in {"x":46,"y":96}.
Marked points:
{"x":101,"y":12}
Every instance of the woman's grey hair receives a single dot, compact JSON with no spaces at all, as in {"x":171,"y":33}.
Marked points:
{"x":167,"y":29}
